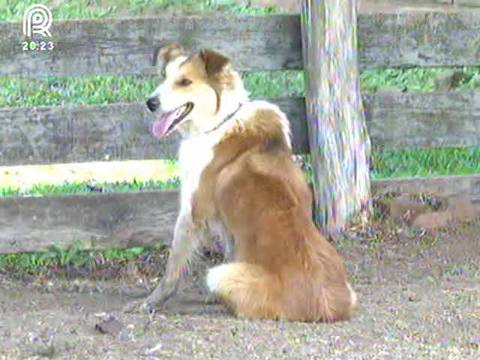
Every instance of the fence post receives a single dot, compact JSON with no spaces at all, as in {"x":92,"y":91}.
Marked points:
{"x":339,"y":142}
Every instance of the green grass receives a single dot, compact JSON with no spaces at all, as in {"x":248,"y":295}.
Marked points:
{"x":11,"y":10}
{"x":82,"y":188}
{"x":425,"y":162}
{"x":417,"y":79}
{"x":386,"y":164}
{"x":75,"y":256}
{"x":422,"y":162}
{"x":15,"y":91}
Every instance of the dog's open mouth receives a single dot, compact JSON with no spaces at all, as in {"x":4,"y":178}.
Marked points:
{"x":168,"y":121}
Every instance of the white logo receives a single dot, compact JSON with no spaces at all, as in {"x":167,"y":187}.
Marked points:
{"x":37,"y":19}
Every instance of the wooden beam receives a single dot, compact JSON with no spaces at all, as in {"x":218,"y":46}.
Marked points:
{"x":115,"y":220}
{"x":467,"y":3}
{"x":126,"y":46}
{"x":59,"y":134}
{"x":95,"y":220}
{"x":43,"y":135}
{"x":418,"y":39}
{"x":422,"y":120}
{"x":438,"y":185}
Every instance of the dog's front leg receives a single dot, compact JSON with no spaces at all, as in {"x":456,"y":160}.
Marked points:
{"x":229,"y":249}
{"x":186,"y":240}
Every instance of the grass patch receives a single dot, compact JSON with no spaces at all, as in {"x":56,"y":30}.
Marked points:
{"x":425,"y":162}
{"x":106,"y":89}
{"x":73,"y":258}
{"x":99,"y":90}
{"x":418,"y":79}
{"x":385,"y":164}
{"x":84,"y":188}
{"x":99,"y":9}
{"x":422,"y":162}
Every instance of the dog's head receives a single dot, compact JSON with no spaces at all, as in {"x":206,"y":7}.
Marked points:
{"x":195,"y":92}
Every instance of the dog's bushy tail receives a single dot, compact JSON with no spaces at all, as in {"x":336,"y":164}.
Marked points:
{"x":250,"y":291}
{"x":247,"y":289}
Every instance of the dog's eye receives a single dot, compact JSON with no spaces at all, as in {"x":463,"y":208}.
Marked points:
{"x":184,"y":82}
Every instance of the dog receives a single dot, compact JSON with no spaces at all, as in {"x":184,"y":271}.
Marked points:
{"x":239,"y":183}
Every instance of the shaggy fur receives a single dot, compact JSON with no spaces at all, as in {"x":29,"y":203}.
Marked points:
{"x":239,"y":182}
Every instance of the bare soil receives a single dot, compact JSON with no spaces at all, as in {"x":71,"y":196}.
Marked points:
{"x":419,"y":296}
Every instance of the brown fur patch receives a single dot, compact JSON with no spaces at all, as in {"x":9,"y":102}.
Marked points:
{"x":167,"y":53}
{"x":214,"y":62}
{"x":217,"y":69}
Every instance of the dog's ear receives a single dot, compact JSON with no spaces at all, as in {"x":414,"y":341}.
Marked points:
{"x":214,"y":62}
{"x":164,"y":54}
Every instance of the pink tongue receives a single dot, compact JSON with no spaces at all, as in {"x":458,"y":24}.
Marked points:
{"x":161,"y":125}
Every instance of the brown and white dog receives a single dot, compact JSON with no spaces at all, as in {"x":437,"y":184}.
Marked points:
{"x":239,"y":182}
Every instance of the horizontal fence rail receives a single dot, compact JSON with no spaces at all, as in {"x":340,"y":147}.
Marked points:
{"x":126,"y":46}
{"x":43,"y":135}
{"x":142,"y":218}
{"x":104,"y":220}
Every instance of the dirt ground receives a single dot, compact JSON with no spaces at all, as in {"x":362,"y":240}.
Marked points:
{"x":419,"y":296}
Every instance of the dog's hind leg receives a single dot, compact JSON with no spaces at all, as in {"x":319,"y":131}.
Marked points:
{"x":224,"y":237}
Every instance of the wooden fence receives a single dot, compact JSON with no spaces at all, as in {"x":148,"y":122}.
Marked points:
{"x":39,"y":135}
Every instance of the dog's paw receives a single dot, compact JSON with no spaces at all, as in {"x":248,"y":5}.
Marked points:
{"x":139,"y":307}
{"x":211,"y":299}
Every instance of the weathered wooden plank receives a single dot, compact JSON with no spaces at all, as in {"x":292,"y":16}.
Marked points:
{"x":439,"y":185}
{"x":419,"y":39}
{"x":447,"y":119}
{"x":142,"y":218}
{"x":78,"y":133}
{"x":97,"y":220}
{"x":121,"y":131}
{"x":43,"y":135}
{"x":126,"y":46}
{"x":467,"y":3}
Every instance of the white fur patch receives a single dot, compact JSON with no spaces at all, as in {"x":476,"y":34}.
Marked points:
{"x":174,"y":65}
{"x":195,"y":154}
{"x":353,"y":296}
{"x":170,"y":69}
{"x":216,"y":275}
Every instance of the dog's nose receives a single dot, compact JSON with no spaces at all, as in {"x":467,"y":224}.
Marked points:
{"x":153,"y":103}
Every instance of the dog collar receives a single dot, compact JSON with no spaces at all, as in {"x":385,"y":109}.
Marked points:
{"x":228,"y":117}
